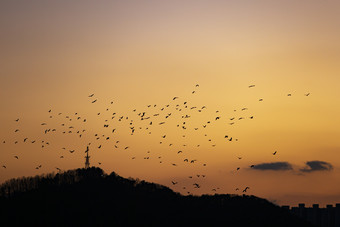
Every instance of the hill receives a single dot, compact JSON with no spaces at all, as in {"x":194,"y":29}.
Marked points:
{"x":92,"y":198}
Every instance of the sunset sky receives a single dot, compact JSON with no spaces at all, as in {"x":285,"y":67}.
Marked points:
{"x":55,"y":54}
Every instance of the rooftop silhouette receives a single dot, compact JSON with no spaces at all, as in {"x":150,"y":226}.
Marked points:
{"x":324,"y":217}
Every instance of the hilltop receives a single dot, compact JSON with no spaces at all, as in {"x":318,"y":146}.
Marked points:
{"x":89,"y":197}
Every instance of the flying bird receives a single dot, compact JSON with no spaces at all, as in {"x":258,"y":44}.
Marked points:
{"x":245,"y":190}
{"x":196,"y":185}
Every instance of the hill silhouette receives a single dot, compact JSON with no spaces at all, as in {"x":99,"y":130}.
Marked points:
{"x":89,"y":197}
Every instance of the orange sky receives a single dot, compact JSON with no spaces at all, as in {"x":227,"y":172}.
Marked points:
{"x":140,"y":53}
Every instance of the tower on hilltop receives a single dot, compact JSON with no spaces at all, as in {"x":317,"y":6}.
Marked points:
{"x":87,"y":158}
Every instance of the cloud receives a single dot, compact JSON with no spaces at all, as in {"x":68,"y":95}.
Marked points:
{"x":313,"y":166}
{"x":277,"y":166}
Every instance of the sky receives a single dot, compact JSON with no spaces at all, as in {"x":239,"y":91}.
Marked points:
{"x":55,"y":54}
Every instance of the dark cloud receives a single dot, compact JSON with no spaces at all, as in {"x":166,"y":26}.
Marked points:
{"x":313,"y":166}
{"x":277,"y":166}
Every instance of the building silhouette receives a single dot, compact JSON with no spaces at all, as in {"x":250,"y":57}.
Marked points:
{"x":324,"y":217}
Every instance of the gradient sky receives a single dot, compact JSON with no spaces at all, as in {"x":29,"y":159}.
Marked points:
{"x":54,"y":54}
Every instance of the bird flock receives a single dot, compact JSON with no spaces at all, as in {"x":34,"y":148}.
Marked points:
{"x":152,"y":119}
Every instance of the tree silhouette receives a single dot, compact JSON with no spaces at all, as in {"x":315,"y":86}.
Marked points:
{"x":89,"y":197}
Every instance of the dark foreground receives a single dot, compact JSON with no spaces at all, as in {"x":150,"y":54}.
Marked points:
{"x":91,"y":198}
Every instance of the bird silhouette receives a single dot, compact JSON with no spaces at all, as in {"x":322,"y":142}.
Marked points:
{"x":274,"y":152}
{"x":196,"y":185}
{"x":245,"y":190}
